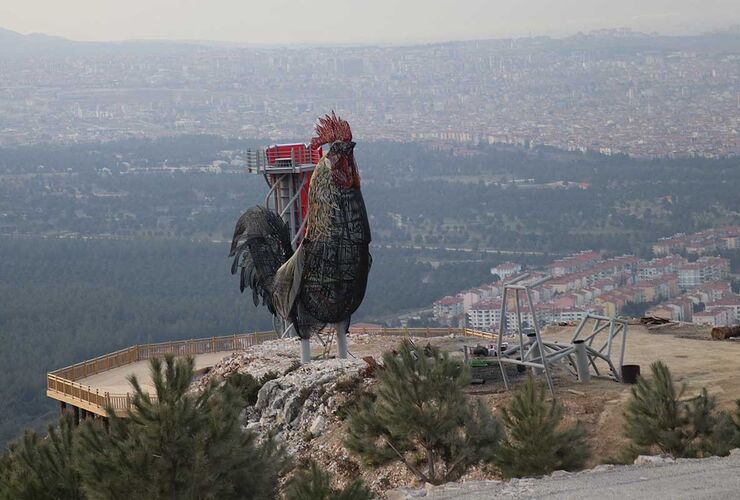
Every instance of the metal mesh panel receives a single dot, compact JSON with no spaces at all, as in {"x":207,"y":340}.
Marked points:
{"x":336,"y":267}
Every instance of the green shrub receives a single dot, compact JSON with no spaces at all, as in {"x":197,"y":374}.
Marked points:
{"x":249,"y":386}
{"x":293,"y":367}
{"x":348,"y":385}
{"x":422,"y":418}
{"x":535,"y":444}
{"x":353,"y":402}
{"x":657,"y":417}
{"x":179,"y":445}
{"x":312,"y":483}
{"x":36,"y":468}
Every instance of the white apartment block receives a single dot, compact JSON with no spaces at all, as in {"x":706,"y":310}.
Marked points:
{"x":447,"y":308}
{"x":719,"y":316}
{"x":702,"y":271}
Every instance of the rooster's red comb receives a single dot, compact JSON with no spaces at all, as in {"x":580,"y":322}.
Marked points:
{"x":330,"y":129}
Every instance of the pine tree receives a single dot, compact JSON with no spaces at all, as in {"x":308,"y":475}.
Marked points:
{"x":726,"y":433}
{"x":36,"y":468}
{"x":734,"y":424}
{"x":535,"y":443}
{"x":312,"y":483}
{"x":422,"y":418}
{"x":656,"y":416}
{"x":178,"y":445}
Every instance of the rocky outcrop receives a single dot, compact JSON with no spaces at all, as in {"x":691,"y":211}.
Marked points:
{"x":271,"y":356}
{"x":302,"y":404}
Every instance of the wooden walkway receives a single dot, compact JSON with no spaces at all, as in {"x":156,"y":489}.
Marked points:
{"x":93,"y":386}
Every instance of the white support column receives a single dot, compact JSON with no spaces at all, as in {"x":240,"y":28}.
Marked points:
{"x":341,"y":339}
{"x":305,"y":351}
{"x":584,"y":375}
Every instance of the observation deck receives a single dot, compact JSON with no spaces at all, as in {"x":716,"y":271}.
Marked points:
{"x":89,"y":388}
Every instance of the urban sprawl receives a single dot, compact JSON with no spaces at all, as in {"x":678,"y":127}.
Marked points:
{"x":612,"y":92}
{"x":685,"y":282}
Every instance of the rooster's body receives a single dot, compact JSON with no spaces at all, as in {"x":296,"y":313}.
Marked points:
{"x":324,"y":281}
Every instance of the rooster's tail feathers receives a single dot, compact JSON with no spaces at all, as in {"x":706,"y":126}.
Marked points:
{"x":261,"y":244}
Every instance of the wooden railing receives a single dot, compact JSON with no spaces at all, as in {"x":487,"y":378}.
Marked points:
{"x":146,"y":351}
{"x":427,"y":332}
{"x":69,"y":390}
{"x":61,"y":384}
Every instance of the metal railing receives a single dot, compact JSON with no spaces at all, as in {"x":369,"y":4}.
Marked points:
{"x":62,"y":384}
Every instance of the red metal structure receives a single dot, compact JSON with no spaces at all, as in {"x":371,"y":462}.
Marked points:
{"x":287,"y":168}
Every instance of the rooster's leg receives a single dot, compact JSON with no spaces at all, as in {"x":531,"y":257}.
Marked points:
{"x":305,"y":351}
{"x":341,"y":329}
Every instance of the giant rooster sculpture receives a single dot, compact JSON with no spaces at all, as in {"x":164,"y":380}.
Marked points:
{"x":324,"y":281}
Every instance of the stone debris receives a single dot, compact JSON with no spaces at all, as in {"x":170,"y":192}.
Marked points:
{"x":257,"y":360}
{"x":654,"y":460}
{"x":560,"y":473}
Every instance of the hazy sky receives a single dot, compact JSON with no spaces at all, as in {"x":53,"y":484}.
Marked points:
{"x":356,"y":21}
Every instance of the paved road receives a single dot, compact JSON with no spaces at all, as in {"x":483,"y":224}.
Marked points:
{"x":711,"y":478}
{"x":115,"y":381}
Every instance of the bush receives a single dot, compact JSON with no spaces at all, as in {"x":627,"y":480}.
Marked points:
{"x":249,"y":386}
{"x":657,"y":418}
{"x":535,"y":444}
{"x":348,"y":384}
{"x":180,"y":445}
{"x":421,"y":417}
{"x":36,"y":468}
{"x":353,"y":402}
{"x":312,"y":483}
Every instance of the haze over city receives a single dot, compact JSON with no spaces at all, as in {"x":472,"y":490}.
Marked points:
{"x":357,"y":21}
{"x":343,"y":249}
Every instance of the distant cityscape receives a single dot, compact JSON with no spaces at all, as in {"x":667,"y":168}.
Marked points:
{"x":609,"y":92}
{"x":671,"y":286}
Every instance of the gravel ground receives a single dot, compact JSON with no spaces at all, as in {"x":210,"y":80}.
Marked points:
{"x":709,"y":478}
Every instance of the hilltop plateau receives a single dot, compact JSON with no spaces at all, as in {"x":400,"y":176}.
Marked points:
{"x":306,"y":405}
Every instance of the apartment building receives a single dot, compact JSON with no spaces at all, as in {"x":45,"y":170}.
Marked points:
{"x":704,"y":270}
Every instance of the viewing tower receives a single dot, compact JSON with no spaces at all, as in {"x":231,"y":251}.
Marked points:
{"x":287,"y":168}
